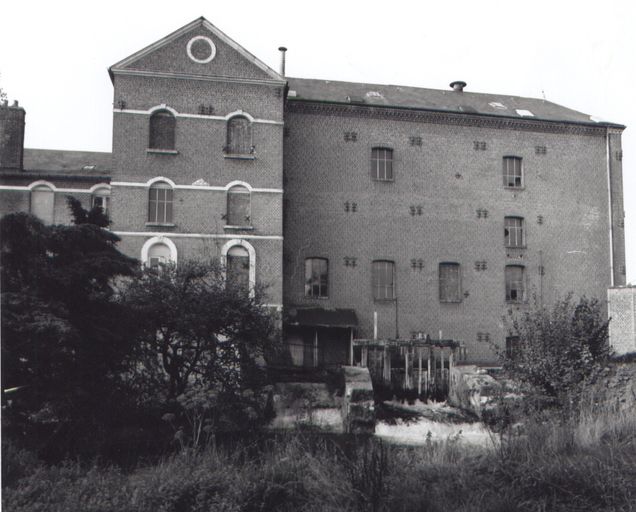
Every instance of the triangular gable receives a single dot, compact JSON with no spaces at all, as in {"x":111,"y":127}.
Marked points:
{"x":170,"y":55}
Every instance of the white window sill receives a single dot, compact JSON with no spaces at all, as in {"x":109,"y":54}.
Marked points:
{"x":239,"y":227}
{"x":238,"y":156}
{"x":159,"y":224}
{"x":162,"y":151}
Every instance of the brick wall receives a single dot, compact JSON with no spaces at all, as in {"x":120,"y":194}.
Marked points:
{"x":11,"y":136}
{"x":563,"y":203}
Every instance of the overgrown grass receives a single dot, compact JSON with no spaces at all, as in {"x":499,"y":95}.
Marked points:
{"x":588,"y":463}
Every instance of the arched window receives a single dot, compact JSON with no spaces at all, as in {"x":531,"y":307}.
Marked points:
{"x":238,"y":206}
{"x":101,"y":198}
{"x":158,"y":254}
{"x":160,"y":203}
{"x":239,"y":136}
{"x":238,"y":269}
{"x":43,"y":203}
{"x":158,"y":250}
{"x":162,"y":130}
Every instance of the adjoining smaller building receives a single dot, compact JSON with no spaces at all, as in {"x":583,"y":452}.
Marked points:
{"x":622,"y":312}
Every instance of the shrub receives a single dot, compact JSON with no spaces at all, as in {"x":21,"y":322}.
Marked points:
{"x":555,"y":351}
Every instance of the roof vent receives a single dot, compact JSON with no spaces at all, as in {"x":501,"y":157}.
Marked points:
{"x":282,"y":51}
{"x":458,"y":86}
{"x":524,"y":113}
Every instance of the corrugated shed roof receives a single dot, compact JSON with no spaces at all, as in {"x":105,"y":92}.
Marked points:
{"x":331,"y":91}
{"x":63,"y":162}
{"x":323,"y":317}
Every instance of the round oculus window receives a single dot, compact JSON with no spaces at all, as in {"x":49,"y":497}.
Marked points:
{"x":201,"y":49}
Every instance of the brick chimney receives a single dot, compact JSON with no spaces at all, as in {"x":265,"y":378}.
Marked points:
{"x":11,"y":135}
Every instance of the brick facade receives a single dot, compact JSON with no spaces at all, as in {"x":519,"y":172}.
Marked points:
{"x":446,"y":201}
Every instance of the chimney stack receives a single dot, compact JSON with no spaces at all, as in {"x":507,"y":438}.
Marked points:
{"x":458,"y":86}
{"x":11,"y":135}
{"x":282,"y":51}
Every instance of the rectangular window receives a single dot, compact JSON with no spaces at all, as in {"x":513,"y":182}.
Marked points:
{"x":513,"y":232}
{"x":383,"y":280}
{"x":515,"y":283}
{"x":317,"y":277}
{"x":512,"y":347}
{"x":450,"y":288}
{"x":382,"y":164}
{"x":512,"y":172}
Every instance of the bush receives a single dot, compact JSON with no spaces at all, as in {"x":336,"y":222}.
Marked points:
{"x":555,"y":351}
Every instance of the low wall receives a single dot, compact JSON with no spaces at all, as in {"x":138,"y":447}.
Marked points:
{"x":358,"y":410}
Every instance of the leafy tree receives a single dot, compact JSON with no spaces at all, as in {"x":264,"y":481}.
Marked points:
{"x":65,"y":337}
{"x":199,"y":337}
{"x":554,"y":351}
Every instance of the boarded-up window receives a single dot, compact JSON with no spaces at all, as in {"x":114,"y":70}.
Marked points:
{"x":383,"y":280}
{"x":382,"y":164}
{"x":513,"y":232}
{"x":316,"y":277}
{"x":515,"y":283}
{"x":239,"y":136}
{"x":238,"y":269}
{"x":43,"y":203}
{"x":158,"y":254}
{"x":512,"y":172}
{"x":238,"y":206}
{"x":450,"y":287}
{"x":160,"y":203}
{"x":162,"y":128}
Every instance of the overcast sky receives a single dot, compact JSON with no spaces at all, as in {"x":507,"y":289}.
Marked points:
{"x":54,"y":55}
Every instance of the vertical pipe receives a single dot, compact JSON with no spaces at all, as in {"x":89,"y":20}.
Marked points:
{"x":316,"y":347}
{"x":351,"y":347}
{"x":282,"y":51}
{"x":609,"y":205}
{"x":419,"y":378}
{"x":375,"y":325}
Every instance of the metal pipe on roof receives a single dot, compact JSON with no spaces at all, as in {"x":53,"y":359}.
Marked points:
{"x":282,"y":51}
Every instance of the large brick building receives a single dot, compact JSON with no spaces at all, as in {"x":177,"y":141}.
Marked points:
{"x":432,"y":211}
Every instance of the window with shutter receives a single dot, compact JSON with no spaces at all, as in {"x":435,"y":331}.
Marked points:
{"x":239,"y":136}
{"x":162,"y":130}
{"x":238,"y":206}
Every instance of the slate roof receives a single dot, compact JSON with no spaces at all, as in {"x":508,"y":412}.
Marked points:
{"x":65,"y":162}
{"x":498,"y":105}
